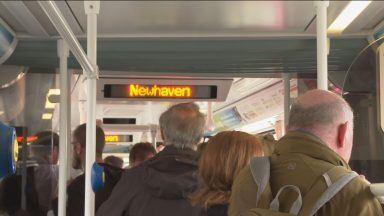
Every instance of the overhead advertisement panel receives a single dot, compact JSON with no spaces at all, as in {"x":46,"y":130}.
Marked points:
{"x":161,"y":89}
{"x":259,"y":106}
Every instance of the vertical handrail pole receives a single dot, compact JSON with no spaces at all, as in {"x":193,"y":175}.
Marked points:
{"x":63,"y":54}
{"x":322,"y":46}
{"x":91,"y":9}
{"x":287,"y":99}
{"x":153,"y":129}
{"x":24,"y":171}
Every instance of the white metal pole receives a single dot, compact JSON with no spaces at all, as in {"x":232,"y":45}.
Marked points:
{"x":63,"y":53}
{"x":153,"y":135}
{"x":287,"y":98}
{"x":53,"y":12}
{"x":322,"y":46}
{"x":69,"y":120}
{"x":91,"y":9}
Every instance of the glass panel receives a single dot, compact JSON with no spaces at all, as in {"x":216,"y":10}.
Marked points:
{"x":27,"y":103}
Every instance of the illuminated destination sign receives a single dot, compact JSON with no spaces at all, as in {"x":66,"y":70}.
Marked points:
{"x":160,"y":91}
{"x":118,"y":138}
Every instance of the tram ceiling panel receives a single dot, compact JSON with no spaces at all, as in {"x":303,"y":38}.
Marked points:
{"x":132,"y":18}
{"x":198,"y":56}
{"x":127,"y":19}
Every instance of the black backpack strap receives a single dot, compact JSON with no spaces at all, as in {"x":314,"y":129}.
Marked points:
{"x":260,"y":169}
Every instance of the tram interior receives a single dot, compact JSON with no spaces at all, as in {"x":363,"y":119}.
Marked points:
{"x":243,"y":48}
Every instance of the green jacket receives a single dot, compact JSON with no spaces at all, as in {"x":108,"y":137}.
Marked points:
{"x":300,"y":159}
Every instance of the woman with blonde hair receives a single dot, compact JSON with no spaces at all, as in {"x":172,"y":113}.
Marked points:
{"x":222,"y":159}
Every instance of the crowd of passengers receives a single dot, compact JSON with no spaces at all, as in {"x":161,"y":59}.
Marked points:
{"x":306,"y":172}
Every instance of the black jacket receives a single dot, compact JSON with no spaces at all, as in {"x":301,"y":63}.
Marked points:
{"x":158,"y":187}
{"x":76,"y":191}
{"x":217,"y":210}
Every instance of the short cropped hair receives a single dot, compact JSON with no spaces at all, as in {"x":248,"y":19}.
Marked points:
{"x":140,"y":151}
{"x":114,"y":161}
{"x":79,"y":135}
{"x":44,"y":143}
{"x":323,"y":114}
{"x":182,"y":125}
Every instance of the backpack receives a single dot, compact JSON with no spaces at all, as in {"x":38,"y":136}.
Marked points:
{"x":335,"y":178}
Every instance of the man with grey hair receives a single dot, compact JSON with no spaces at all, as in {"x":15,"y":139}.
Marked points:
{"x":161,"y":185}
{"x":313,"y":156}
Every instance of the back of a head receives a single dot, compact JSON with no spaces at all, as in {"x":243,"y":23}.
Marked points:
{"x":114,"y":161}
{"x":224,"y":155}
{"x":327,"y":116}
{"x":318,"y":110}
{"x":182,"y":125}
{"x":79,"y":135}
{"x":44,"y":144}
{"x":140,"y":152}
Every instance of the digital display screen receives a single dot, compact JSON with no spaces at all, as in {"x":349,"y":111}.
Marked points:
{"x":118,"y":138}
{"x":160,"y":91}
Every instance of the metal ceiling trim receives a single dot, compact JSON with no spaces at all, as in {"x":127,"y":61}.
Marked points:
{"x":25,"y":17}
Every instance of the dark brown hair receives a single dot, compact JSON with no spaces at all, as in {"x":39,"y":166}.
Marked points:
{"x":140,"y":151}
{"x":80,"y":136}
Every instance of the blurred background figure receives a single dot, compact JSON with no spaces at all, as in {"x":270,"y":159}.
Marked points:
{"x":200,"y":148}
{"x":141,"y":152}
{"x":114,"y":161}
{"x":222,"y":158}
{"x":10,"y":196}
{"x":45,"y":152}
{"x":159,"y":146}
{"x":268,"y":142}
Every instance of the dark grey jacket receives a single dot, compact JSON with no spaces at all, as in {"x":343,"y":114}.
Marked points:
{"x":158,"y":187}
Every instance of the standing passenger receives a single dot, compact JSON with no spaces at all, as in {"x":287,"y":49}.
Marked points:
{"x":76,"y":189}
{"x":222,"y":159}
{"x":161,"y":185}
{"x":316,"y":148}
{"x":141,"y":152}
{"x":114,"y":161}
{"x":45,"y":151}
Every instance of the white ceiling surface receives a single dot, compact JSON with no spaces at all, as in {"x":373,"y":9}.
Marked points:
{"x":187,"y":18}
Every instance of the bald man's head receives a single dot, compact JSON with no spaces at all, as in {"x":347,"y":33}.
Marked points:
{"x":326,"y":115}
{"x":318,"y":108}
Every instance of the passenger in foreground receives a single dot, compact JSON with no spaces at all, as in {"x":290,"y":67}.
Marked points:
{"x":223,"y":157}
{"x":319,"y":139}
{"x":141,"y":152}
{"x":161,"y":185}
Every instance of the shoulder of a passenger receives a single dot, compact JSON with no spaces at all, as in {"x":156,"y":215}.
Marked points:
{"x":357,"y":196}
{"x":357,"y":187}
{"x":244,"y":177}
{"x":131,"y":177}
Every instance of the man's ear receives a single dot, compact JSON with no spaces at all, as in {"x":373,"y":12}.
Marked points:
{"x":342,"y":134}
